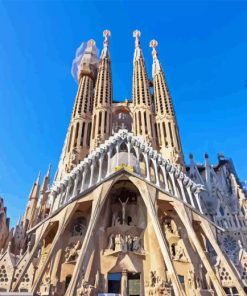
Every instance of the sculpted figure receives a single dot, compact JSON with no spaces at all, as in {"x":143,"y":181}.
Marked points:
{"x":123,"y":210}
{"x":111,"y":244}
{"x":180,"y":254}
{"x":97,"y":280}
{"x":136,"y":243}
{"x":118,"y":242}
{"x":152,"y":278}
{"x":130,"y":243}
{"x":71,"y":253}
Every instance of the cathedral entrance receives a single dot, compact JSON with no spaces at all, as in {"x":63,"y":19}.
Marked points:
{"x":114,"y":282}
{"x":124,"y":283}
{"x":133,"y":284}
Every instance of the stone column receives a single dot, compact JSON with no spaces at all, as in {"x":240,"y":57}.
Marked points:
{"x":124,"y":283}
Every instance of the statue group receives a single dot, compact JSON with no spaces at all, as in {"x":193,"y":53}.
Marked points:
{"x":124,"y":243}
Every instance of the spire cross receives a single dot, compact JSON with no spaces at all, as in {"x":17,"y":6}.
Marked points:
{"x":91,"y":42}
{"x":106,"y":34}
{"x":153,"y":43}
{"x":137,"y":35}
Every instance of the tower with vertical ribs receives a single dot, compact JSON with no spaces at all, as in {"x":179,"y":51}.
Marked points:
{"x":125,"y":215}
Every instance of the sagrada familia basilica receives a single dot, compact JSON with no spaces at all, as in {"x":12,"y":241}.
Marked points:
{"x":125,"y":215}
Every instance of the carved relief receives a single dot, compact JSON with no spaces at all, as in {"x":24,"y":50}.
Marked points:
{"x":72,"y":252}
{"x":157,"y":286}
{"x":178,"y":253}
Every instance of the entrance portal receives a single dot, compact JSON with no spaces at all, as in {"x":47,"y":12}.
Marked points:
{"x":133,"y":283}
{"x":114,"y":282}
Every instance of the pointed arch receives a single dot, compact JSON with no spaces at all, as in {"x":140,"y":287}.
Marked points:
{"x":123,"y":147}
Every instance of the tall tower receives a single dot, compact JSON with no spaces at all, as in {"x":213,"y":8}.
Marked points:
{"x":101,"y":121}
{"x":168,"y":135}
{"x":29,"y":218}
{"x":77,"y":141}
{"x":143,"y":118}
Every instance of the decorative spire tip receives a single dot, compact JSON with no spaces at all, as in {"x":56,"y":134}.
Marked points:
{"x":154,"y":43}
{"x":106,"y":34}
{"x":91,"y":42}
{"x":137,"y":35}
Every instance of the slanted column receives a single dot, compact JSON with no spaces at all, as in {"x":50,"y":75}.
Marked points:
{"x":100,"y":167}
{"x":117,"y":153}
{"x":108,"y":162}
{"x":163,"y":168}
{"x":138,"y":161}
{"x":53,"y":197}
{"x":91,"y":173}
{"x":83,"y":178}
{"x":197,"y":196}
{"x":182,"y":190}
{"x":129,"y":147}
{"x":75,"y":184}
{"x":173,"y":181}
{"x":190,"y":195}
{"x":156,"y":173}
{"x":68,"y":189}
{"x":147,"y":166}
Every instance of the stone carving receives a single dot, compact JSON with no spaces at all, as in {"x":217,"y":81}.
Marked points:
{"x":45,"y":286}
{"x":72,"y":252}
{"x":157,"y":286}
{"x":191,"y":278}
{"x":170,"y":227}
{"x":178,"y":253}
{"x":86,"y":289}
{"x":125,"y":243}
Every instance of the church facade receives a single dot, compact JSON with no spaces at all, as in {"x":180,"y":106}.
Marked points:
{"x":125,"y":215}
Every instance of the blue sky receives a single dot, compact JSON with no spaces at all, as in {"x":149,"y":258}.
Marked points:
{"x":202,"y":47}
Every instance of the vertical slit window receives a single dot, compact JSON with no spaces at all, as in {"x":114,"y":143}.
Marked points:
{"x":99,"y":125}
{"x":82,"y":133}
{"x":105,"y":124}
{"x":140,"y":122}
{"x":76,"y":134}
{"x":170,"y":130}
{"x":70,"y":138}
{"x":94,"y":123}
{"x":88,"y":133}
{"x":145,"y":122}
{"x":159,"y":133}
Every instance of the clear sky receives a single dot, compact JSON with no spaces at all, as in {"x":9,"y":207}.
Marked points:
{"x":202,"y":47}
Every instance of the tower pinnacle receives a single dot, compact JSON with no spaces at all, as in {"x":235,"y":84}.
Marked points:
{"x":167,"y":128}
{"x":156,"y":68}
{"x":153,"y":43}
{"x":138,"y":52}
{"x":105,"y":51}
{"x":101,"y":118}
{"x":137,"y":35}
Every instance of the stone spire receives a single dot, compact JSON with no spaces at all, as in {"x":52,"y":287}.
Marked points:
{"x":166,"y":125}
{"x":143,"y":117}
{"x":101,"y":121}
{"x":29,"y":218}
{"x":42,"y":210}
{"x":77,"y":141}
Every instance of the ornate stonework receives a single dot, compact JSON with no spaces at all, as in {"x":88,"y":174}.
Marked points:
{"x":125,"y":215}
